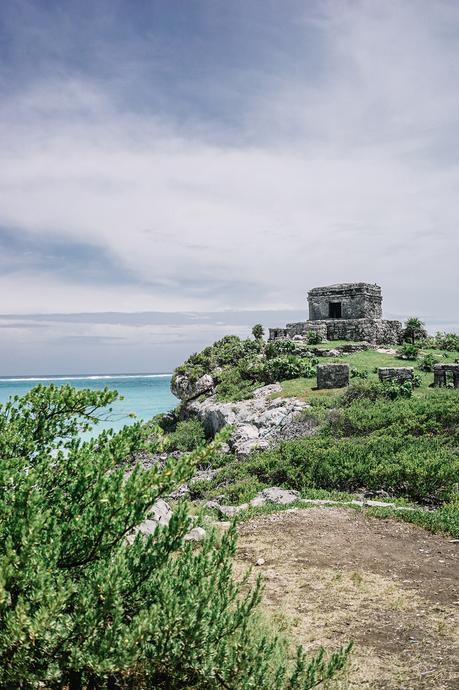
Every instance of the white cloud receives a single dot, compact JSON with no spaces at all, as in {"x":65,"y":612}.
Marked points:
{"x":348,"y":176}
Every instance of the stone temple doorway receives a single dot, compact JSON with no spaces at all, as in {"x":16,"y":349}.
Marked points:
{"x":334,"y":310}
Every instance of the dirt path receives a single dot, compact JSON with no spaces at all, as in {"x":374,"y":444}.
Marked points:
{"x":391,"y":587}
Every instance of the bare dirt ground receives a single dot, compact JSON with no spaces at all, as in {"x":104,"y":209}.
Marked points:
{"x":339,"y":575}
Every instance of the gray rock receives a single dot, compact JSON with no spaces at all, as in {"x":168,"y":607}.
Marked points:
{"x":267,"y":390}
{"x":186,"y":390}
{"x":204,"y":475}
{"x":180,"y":492}
{"x":244,"y":448}
{"x":254,"y":420}
{"x":275,"y":495}
{"x":399,"y":374}
{"x":227,"y":511}
{"x":160,"y":514}
{"x":272,"y":417}
{"x":196,"y":534}
{"x":246,"y":432}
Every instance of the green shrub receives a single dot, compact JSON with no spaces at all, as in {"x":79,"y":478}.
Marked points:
{"x":417,"y":469}
{"x":232,"y":386}
{"x":359,"y":374}
{"x":374,"y":390}
{"x":428,"y":361}
{"x":276,"y":348}
{"x":81,"y":605}
{"x":286,"y":367}
{"x":258,"y":331}
{"x":188,"y":435}
{"x":408,"y":351}
{"x":449,"y":342}
{"x":314,"y":338}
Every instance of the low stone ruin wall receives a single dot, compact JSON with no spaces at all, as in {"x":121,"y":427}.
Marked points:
{"x":399,"y":374}
{"x":332,"y":375}
{"x":441,"y":372}
{"x":376,"y":331}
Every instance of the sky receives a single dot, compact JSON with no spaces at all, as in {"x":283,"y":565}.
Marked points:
{"x":174,"y":170}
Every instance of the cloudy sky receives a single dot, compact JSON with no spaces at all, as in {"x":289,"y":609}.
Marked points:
{"x":172,"y":170}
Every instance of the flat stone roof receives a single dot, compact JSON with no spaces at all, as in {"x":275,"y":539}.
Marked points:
{"x":347,"y":287}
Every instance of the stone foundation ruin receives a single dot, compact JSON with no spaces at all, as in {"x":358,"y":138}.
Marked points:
{"x":348,"y":311}
{"x":399,"y":374}
{"x":332,"y":375}
{"x":442,"y":373}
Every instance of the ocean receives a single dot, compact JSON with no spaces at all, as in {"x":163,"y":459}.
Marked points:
{"x":145,"y":395}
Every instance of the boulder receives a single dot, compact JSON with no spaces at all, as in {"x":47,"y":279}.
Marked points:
{"x":244,"y":448}
{"x":160,"y":514}
{"x":184,"y":389}
{"x":271,"y":495}
{"x":255,"y":421}
{"x":196,"y":534}
{"x":275,"y":495}
{"x":264,"y":391}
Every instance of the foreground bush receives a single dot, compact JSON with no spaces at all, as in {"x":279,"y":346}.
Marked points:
{"x":84,"y":602}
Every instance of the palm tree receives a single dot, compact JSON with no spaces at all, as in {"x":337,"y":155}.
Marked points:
{"x":414,"y":329}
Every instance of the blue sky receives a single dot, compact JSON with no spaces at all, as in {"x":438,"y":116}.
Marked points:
{"x":207,"y":157}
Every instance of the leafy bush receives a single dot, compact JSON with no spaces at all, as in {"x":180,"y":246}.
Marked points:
{"x":83,"y":605}
{"x":357,"y":374}
{"x":417,"y":469}
{"x":188,"y":435}
{"x":428,"y":361}
{"x":374,"y":390}
{"x":408,"y":351}
{"x":314,"y":338}
{"x":233,"y":386}
{"x":275,"y":348}
{"x":287,"y":367}
{"x":258,"y":331}
{"x":449,"y":342}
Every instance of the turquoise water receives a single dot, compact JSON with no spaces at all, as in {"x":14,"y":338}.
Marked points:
{"x":145,"y":395}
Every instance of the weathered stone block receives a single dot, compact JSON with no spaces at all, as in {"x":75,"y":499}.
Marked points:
{"x":441,"y":372}
{"x":399,"y":374}
{"x":332,"y":375}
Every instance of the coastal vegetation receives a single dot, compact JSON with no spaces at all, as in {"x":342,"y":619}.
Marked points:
{"x":93,"y":593}
{"x":96,"y":593}
{"x":239,"y":366}
{"x":400,"y":440}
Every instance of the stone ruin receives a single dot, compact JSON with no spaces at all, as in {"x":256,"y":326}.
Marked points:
{"x":332,"y":375}
{"x":441,"y":372}
{"x":348,"y":311}
{"x":399,"y":374}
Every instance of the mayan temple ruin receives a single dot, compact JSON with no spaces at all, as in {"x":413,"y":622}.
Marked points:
{"x":347,"y":311}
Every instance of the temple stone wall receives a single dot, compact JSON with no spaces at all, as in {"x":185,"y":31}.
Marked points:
{"x":356,"y":300}
{"x":350,"y":311}
{"x":376,"y":331}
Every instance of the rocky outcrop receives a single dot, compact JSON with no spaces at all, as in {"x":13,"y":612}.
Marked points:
{"x":186,"y":389}
{"x":257,"y":422}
